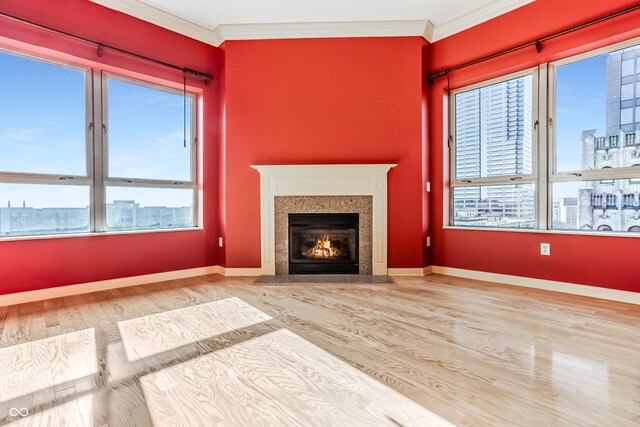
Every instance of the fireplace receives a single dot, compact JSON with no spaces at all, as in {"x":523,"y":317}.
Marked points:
{"x":324,"y":243}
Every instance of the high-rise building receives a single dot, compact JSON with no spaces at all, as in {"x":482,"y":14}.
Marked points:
{"x":615,"y":204}
{"x":493,"y":138}
{"x":623,"y":91}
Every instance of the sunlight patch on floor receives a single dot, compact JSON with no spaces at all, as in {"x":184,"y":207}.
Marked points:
{"x":276,"y":379}
{"x":150,"y":335}
{"x":34,"y":366}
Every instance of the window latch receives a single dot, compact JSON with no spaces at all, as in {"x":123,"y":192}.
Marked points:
{"x":575,"y":174}
{"x":466,"y":181}
{"x":64,"y":178}
{"x":513,"y":178}
{"x":104,"y":128}
{"x":178,"y":183}
{"x":129,"y":181}
{"x":90,"y":126}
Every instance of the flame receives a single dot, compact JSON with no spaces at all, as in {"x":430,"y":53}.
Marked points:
{"x":323,"y":249}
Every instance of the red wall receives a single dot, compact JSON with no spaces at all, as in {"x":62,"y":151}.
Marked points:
{"x":35,"y":264}
{"x":350,"y":100}
{"x":593,"y":260}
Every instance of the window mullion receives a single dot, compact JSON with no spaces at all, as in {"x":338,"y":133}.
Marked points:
{"x":541,"y":132}
{"x":99,"y":172}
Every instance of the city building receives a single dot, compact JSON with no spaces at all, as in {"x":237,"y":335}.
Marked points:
{"x":614,"y":204}
{"x":491,"y":143}
{"x":121,"y":215}
{"x":565,"y":213}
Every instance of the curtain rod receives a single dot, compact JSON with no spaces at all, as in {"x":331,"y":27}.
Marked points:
{"x":101,"y":46}
{"x":537,"y":43}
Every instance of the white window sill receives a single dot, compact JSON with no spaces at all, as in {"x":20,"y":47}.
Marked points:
{"x":106,"y":233}
{"x":536,"y":231}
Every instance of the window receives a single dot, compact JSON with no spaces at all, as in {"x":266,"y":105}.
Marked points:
{"x":626,"y":92}
{"x":64,"y":170}
{"x":627,"y":67}
{"x":494,"y":184}
{"x":588,"y":136}
{"x":626,"y":116}
{"x":150,"y":180}
{"x":574,"y":171}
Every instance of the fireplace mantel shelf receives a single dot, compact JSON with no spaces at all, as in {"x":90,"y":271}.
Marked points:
{"x":323,"y":180}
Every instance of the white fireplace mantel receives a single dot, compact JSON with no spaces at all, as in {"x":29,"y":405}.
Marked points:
{"x":323,"y":180}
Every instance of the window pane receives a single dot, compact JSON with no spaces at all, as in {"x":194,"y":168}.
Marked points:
{"x":626,"y":91}
{"x":30,"y":209}
{"x":493,"y":130}
{"x":613,"y":205}
{"x":146,"y":133}
{"x":148,"y":208}
{"x":495,"y":206}
{"x":595,"y":102}
{"x":42,"y":117}
{"x":627,"y":67}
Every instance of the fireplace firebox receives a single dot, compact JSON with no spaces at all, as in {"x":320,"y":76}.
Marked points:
{"x":323,"y":243}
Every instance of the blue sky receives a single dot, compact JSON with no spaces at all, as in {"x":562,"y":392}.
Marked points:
{"x":580,"y":105}
{"x":43,"y":125}
{"x":581,"y":92}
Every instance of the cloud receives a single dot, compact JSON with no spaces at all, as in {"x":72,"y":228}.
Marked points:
{"x":20,"y":134}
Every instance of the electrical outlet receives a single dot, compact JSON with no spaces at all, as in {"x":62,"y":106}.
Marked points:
{"x":220,"y":242}
{"x":428,"y":186}
{"x":428,"y":241}
{"x":545,"y":249}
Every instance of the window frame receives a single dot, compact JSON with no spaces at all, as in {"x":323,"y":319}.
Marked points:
{"x":544,"y":135}
{"x":102,"y":159}
{"x":96,"y":154}
{"x":532,"y":178}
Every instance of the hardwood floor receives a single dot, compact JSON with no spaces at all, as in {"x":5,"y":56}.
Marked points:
{"x":432,"y":351}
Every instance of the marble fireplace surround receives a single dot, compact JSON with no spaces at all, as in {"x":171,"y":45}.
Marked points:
{"x":324,"y":180}
{"x":284,"y":205}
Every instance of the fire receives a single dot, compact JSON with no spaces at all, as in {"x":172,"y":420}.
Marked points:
{"x":323,"y":249}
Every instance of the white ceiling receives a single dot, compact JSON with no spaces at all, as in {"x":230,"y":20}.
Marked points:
{"x":216,"y":21}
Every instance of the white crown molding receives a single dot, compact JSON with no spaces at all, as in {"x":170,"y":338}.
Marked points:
{"x":547,"y":285}
{"x":321,"y":30}
{"x":475,"y":17}
{"x":428,"y":31}
{"x":300,"y":30}
{"x":163,"y":19}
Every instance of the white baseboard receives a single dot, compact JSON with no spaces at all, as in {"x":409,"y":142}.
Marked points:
{"x":102,"y":285}
{"x":234,"y":272}
{"x":405,"y":271}
{"x":548,"y":285}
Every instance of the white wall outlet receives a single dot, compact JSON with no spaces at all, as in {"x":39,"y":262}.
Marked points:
{"x":428,"y":241}
{"x":428,"y":186}
{"x":545,"y":249}
{"x":220,"y":242}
